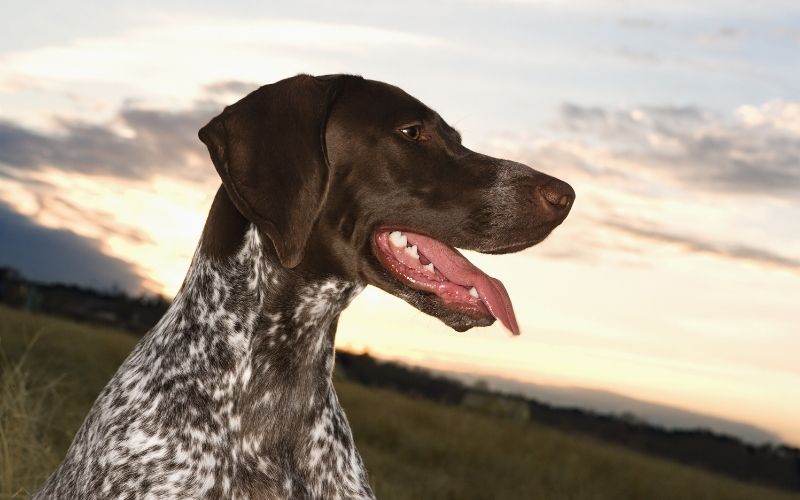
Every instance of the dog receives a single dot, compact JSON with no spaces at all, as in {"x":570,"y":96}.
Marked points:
{"x":329,"y":183}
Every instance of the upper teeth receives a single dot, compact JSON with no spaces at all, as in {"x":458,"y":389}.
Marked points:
{"x":398,"y":239}
{"x":474,"y":292}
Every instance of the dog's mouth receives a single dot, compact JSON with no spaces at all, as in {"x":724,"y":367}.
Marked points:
{"x":428,"y":265}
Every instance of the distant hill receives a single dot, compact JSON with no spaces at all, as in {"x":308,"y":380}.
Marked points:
{"x":774,"y":465}
{"x":610,"y":403}
{"x":113,"y":308}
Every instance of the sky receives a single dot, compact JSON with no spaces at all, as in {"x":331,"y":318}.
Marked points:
{"x":675,"y":279}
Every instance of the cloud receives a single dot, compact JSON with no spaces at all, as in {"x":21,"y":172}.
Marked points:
{"x":174,"y":54}
{"x":777,"y":114}
{"x":744,"y":253}
{"x":659,"y":7}
{"x":231,"y":87}
{"x":792,"y":34}
{"x":755,"y":151}
{"x":639,"y":56}
{"x":719,"y":185}
{"x":60,"y":256}
{"x":137,"y":143}
{"x":639,"y":23}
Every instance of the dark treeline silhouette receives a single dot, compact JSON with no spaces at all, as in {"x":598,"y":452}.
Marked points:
{"x":765,"y":464}
{"x":114,"y":308}
{"x":769,"y":465}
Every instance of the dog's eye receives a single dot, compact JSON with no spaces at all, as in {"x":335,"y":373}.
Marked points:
{"x":413,"y":132}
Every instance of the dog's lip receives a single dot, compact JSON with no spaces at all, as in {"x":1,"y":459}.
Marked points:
{"x":516,"y":247}
{"x":455,"y":282}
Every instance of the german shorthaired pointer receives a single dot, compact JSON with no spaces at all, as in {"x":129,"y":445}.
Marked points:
{"x":328,"y":184}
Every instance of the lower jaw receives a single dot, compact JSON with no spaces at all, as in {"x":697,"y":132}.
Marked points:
{"x":457,"y":320}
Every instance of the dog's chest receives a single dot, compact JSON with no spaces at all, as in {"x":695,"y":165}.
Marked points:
{"x":229,"y":396}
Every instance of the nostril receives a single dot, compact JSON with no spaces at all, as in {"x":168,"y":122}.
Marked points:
{"x":557,"y":193}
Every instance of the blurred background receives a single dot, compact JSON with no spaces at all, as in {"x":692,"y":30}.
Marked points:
{"x":671,"y":294}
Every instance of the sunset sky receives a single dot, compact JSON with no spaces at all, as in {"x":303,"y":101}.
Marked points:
{"x":676,"y":278}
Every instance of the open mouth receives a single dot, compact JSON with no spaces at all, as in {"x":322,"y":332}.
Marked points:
{"x":428,"y":265}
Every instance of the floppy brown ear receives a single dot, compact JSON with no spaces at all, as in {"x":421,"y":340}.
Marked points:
{"x":269,"y":150}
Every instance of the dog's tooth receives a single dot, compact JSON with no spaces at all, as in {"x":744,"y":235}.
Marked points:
{"x":412,"y":251}
{"x":429,"y":267}
{"x":398,"y":239}
{"x":474,"y":292}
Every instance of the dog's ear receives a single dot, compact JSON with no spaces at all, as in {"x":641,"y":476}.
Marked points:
{"x":269,"y":149}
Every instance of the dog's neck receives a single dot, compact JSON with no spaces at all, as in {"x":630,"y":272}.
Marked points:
{"x":230,"y":394}
{"x":260,"y":338}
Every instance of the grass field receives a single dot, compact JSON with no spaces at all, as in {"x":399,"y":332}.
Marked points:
{"x":51,"y":371}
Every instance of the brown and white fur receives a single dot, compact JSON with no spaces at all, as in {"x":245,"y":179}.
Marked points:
{"x":230,"y":394}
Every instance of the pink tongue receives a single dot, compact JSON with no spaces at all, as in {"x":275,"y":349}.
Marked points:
{"x":456,"y":268}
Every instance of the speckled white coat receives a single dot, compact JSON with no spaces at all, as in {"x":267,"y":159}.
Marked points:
{"x":229,"y":396}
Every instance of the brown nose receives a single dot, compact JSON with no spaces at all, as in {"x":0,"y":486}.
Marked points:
{"x":558,"y":193}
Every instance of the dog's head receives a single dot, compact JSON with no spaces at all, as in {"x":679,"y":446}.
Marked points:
{"x":356,"y":178}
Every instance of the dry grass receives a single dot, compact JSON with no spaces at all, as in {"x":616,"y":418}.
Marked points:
{"x":28,"y":411}
{"x":52,"y":370}
{"x":50,"y":373}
